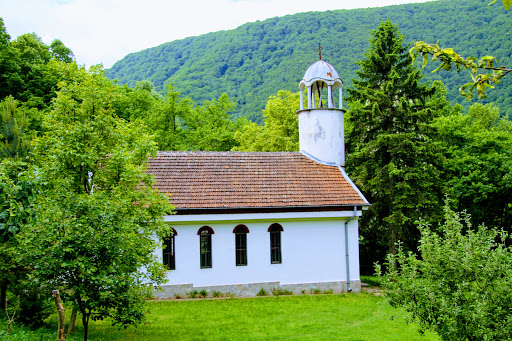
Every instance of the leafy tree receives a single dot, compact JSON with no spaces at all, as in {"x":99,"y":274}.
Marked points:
{"x":209,"y":127}
{"x":60,"y":52}
{"x":28,"y":72}
{"x":281,"y":126}
{"x":98,"y":215}
{"x":478,"y":163}
{"x":140,"y":102}
{"x":166,"y":121}
{"x":10,"y":72}
{"x":16,"y":192}
{"x":392,"y":157}
{"x":459,"y":284}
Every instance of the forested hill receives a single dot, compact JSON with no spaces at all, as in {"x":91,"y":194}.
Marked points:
{"x":255,"y":60}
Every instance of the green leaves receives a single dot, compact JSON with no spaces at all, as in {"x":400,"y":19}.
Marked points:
{"x":448,"y":57}
{"x":506,"y":3}
{"x":459,"y":284}
{"x":392,"y":156}
{"x":99,"y":215}
{"x":478,"y":163}
{"x":281,"y":129}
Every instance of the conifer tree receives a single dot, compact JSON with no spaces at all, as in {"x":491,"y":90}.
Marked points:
{"x":13,"y":142}
{"x":391,"y":156}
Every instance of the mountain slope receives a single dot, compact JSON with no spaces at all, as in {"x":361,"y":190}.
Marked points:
{"x":255,"y":60}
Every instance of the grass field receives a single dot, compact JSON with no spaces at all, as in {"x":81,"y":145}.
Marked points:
{"x":308,"y":317}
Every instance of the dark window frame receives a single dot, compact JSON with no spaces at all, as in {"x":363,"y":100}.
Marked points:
{"x":169,"y":250}
{"x":275,"y":243}
{"x":240,"y":232}
{"x":205,"y":247}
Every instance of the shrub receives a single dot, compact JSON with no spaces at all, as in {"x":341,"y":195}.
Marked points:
{"x":193,"y":294}
{"x":460,"y":284}
{"x":315,"y":291}
{"x":280,"y":291}
{"x":262,"y":292}
{"x":31,"y":304}
{"x":328,"y":292}
{"x":216,"y":293}
{"x":203,"y":293}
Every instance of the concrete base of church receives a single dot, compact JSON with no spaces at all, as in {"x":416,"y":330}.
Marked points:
{"x":251,"y":289}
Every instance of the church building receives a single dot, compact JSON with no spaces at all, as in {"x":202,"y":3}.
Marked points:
{"x":251,"y":220}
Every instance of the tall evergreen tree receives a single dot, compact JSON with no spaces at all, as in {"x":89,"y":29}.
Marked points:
{"x":391,"y":156}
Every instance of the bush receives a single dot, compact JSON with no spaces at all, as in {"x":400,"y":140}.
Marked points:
{"x":281,"y":291}
{"x":193,"y":294}
{"x":30,"y":303}
{"x":262,"y":292}
{"x":460,"y":284}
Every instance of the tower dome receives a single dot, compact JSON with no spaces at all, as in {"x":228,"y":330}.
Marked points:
{"x":319,"y":76}
{"x":321,"y":124}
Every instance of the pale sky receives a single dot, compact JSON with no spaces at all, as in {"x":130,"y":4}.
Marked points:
{"x":104,"y":31}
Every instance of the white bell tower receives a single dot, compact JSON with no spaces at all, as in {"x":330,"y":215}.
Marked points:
{"x":321,"y":124}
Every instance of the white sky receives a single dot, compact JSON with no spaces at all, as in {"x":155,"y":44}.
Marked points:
{"x":104,"y":31}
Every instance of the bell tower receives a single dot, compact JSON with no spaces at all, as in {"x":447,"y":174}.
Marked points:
{"x":321,"y":123}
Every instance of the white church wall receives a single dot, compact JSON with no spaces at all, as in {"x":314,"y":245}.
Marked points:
{"x":312,"y":251}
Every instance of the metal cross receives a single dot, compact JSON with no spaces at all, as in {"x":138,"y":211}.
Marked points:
{"x":320,"y":48}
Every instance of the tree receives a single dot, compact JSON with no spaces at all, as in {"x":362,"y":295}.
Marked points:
{"x":391,"y":154}
{"x":60,"y":52}
{"x":459,"y":284}
{"x":13,"y":142}
{"x":98,"y":215}
{"x":281,"y":126}
{"x":16,"y":192}
{"x":27,"y":70}
{"x":478,"y":163}
{"x":209,"y":127}
{"x":166,"y":121}
{"x":449,"y":58}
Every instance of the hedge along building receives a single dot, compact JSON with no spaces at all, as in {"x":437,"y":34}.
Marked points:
{"x":247,"y":221}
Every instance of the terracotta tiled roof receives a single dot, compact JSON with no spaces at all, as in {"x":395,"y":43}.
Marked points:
{"x":214,"y":180}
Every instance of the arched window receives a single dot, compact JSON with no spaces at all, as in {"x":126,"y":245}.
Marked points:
{"x":240,"y":232}
{"x":205,"y":246}
{"x":275,"y":243}
{"x":168,"y":254}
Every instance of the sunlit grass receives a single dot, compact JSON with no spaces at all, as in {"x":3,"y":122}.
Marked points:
{"x":308,"y":317}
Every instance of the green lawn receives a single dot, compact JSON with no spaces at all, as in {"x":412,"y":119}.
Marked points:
{"x":316,"y":317}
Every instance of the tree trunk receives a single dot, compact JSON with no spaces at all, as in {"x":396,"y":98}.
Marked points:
{"x":61,"y":335}
{"x":72,"y":320}
{"x":85,"y":322}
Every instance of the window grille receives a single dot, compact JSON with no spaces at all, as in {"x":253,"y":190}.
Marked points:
{"x":205,"y":246}
{"x":241,"y":244}
{"x":168,"y":252}
{"x":275,"y":243}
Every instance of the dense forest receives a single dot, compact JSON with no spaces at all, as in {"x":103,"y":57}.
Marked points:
{"x":254,"y":60}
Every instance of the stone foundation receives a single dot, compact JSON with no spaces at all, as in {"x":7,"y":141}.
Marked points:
{"x":251,"y":289}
